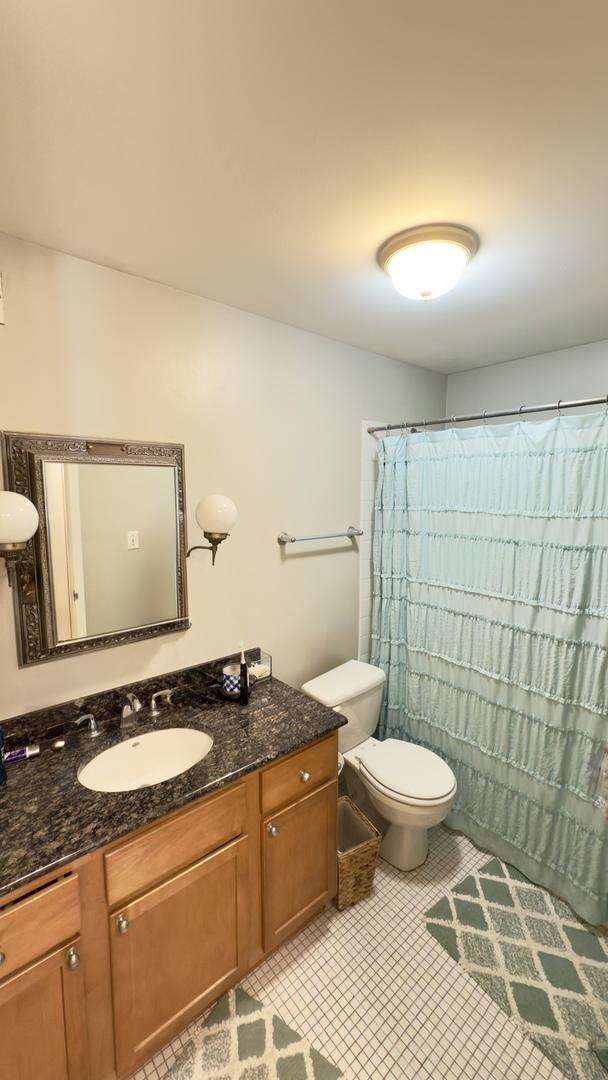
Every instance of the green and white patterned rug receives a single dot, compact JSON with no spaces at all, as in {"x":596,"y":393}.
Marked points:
{"x":241,"y":1039}
{"x":532,"y":955}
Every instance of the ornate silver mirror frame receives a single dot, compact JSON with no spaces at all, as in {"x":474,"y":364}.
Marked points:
{"x":24,"y":456}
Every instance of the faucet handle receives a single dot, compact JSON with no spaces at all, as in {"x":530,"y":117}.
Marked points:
{"x":92,"y":730}
{"x":161,"y":695}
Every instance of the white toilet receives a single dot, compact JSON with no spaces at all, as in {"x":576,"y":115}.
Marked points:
{"x":410,"y":787}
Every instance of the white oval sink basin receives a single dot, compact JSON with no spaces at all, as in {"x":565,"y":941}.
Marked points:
{"x":146,"y":759}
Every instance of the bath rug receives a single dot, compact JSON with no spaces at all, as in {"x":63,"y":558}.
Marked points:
{"x":241,"y":1039}
{"x":535,"y":958}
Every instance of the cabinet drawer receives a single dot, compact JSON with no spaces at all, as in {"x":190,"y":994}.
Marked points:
{"x":34,"y":926}
{"x":149,"y":859}
{"x":297,"y":775}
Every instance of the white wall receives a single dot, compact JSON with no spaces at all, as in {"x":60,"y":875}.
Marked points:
{"x":270,"y":415}
{"x":567,"y":374}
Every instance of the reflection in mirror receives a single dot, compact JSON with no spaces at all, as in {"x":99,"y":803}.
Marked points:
{"x":113,"y":538}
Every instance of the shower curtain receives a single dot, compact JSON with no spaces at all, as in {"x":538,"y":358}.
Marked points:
{"x":490,"y":619}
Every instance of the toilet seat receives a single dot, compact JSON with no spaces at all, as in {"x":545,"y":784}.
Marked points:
{"x":406,"y":800}
{"x":407,"y":773}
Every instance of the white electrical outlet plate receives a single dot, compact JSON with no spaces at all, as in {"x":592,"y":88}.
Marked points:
{"x":133,"y":540}
{"x":2,"y":320}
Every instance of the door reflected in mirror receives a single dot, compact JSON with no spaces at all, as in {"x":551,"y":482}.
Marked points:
{"x":113,"y":542}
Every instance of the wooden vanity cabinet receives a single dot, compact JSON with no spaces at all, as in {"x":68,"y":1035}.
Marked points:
{"x":294,"y":776}
{"x":158,"y":853}
{"x":42,"y":999}
{"x":298,"y":863}
{"x":175,"y":950}
{"x":43,"y":1020}
{"x":101,"y":967}
{"x":299,"y":802}
{"x":42,"y":1006}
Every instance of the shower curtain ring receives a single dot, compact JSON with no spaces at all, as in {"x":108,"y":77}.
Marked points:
{"x":606,"y":403}
{"x":485,"y":417}
{"x":521,"y":408}
{"x":559,"y":407}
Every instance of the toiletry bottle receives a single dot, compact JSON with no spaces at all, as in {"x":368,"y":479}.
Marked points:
{"x":2,"y":769}
{"x":244,"y":681}
{"x":21,"y":753}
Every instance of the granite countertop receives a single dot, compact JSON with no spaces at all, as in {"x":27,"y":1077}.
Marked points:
{"x":47,"y":818}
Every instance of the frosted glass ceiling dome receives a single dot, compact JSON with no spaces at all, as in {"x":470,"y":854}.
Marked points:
{"x":429,"y":260}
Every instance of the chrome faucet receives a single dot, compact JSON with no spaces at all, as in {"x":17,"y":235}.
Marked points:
{"x":133,"y":705}
{"x":92,"y":730}
{"x":160,"y":695}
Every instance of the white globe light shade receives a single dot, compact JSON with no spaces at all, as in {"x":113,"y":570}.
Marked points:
{"x":216,"y":514}
{"x":427,"y":269}
{"x":18,"y":518}
{"x":428,"y":260}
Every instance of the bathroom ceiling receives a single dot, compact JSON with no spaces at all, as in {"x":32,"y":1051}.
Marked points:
{"x":259,"y":151}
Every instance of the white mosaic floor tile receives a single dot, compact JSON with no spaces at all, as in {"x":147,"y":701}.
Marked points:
{"x":377,"y":995}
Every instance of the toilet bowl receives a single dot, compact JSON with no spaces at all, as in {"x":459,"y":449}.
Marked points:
{"x":410,"y":787}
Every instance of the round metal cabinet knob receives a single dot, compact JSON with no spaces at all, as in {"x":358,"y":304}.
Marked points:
{"x":272,"y":830}
{"x":72,"y":958}
{"x":122,"y":924}
{"x":2,"y":957}
{"x":304,"y":776}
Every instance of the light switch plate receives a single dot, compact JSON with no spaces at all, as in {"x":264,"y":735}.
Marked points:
{"x":133,"y":540}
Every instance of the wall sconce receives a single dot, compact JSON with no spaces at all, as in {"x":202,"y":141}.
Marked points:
{"x":216,"y":514}
{"x":18,"y":523}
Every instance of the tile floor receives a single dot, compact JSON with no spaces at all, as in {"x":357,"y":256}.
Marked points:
{"x":375,"y":993}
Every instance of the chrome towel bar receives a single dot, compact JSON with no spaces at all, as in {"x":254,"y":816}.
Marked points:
{"x":351,"y":532}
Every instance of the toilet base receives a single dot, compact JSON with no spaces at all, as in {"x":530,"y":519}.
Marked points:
{"x":405,"y":848}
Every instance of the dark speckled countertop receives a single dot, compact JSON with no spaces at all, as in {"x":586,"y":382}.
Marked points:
{"x":48,"y":819}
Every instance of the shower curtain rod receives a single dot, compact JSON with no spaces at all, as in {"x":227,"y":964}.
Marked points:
{"x":523,"y":410}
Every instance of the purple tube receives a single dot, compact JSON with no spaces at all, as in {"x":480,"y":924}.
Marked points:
{"x":20,"y":753}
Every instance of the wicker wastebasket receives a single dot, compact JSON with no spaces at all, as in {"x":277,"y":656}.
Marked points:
{"x":358,"y":844}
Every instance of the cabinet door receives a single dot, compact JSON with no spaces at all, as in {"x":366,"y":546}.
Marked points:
{"x":176,"y":949}
{"x":299,"y":862}
{"x":43,"y":1020}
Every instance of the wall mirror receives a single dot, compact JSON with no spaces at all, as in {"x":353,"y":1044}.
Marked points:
{"x":107,"y":564}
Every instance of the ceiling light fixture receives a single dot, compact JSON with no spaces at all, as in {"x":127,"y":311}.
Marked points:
{"x":429,"y":260}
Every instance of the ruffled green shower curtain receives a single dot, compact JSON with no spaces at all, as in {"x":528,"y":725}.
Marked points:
{"x":490,"y":619}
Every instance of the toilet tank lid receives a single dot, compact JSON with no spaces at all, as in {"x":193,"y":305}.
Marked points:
{"x":344,"y":683}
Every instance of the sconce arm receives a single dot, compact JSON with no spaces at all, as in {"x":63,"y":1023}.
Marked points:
{"x":204,"y":547}
{"x":215,"y":541}
{"x":18,"y":568}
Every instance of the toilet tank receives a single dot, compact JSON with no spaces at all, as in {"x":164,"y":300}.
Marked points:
{"x":354,"y":689}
